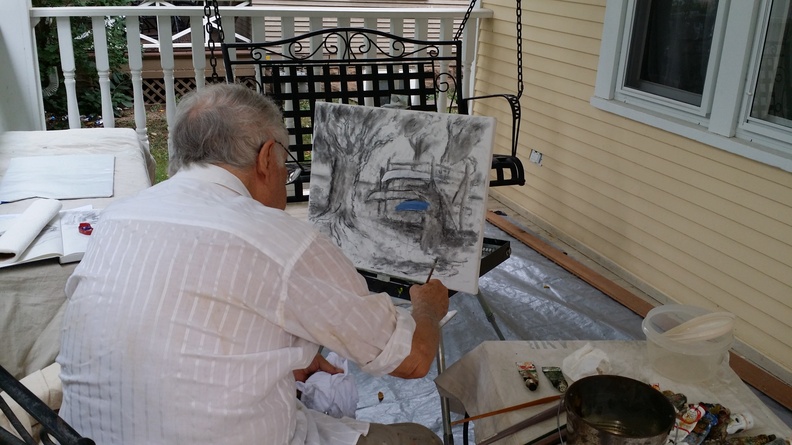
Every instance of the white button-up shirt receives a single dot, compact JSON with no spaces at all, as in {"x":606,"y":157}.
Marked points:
{"x":191,"y":308}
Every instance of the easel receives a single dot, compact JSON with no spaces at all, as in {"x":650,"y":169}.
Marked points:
{"x":493,"y":253}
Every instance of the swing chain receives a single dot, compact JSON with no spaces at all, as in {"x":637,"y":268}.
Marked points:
{"x":461,"y":28}
{"x":211,"y":8}
{"x":520,"y":85}
{"x":458,"y":35}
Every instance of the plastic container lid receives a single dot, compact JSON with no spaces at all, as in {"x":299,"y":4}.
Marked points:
{"x":663,"y":318}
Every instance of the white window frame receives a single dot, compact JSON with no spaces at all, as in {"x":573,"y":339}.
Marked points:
{"x":723,"y":118}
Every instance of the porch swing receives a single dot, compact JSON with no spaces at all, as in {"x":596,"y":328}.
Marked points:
{"x":359,"y":66}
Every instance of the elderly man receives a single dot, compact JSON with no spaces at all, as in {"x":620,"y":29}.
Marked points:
{"x":200,"y":301}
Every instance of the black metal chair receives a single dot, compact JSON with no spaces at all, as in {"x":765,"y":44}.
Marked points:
{"x":358,"y":66}
{"x":53,"y":427}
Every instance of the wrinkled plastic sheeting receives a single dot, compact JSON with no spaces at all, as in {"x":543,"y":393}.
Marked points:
{"x":527,"y":297}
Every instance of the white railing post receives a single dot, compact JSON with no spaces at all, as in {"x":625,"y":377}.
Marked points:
{"x":229,"y":36}
{"x":68,"y":67}
{"x":259,"y":34}
{"x":316,"y":24}
{"x":136,"y":74}
{"x":198,"y":50}
{"x":287,"y":31}
{"x":446,"y":29}
{"x":103,"y":69}
{"x":370,"y":23}
{"x":167,"y":64}
{"x":469,"y":40}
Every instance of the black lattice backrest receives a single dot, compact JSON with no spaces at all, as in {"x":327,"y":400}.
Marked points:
{"x":347,"y":65}
{"x":54,"y":430}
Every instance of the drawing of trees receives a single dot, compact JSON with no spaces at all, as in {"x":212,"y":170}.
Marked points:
{"x":398,"y":189}
{"x":360,"y":133}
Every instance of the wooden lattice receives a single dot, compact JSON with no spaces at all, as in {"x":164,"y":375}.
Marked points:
{"x":154,"y":89}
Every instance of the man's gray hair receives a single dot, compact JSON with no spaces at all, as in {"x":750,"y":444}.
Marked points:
{"x":223,"y":124}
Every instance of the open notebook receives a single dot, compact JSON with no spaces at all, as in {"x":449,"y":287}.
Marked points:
{"x":43,"y":231}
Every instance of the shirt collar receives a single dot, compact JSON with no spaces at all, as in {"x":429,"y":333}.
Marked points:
{"x":214,"y":174}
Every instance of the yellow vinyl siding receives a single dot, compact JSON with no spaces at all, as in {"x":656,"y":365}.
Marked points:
{"x":688,"y":221}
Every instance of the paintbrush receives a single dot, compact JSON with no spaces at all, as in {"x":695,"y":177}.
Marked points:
{"x":431,"y":271}
{"x":519,"y":426}
{"x":509,"y":409}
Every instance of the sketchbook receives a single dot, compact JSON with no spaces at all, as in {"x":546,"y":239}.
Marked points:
{"x":403,"y":191}
{"x":58,"y":177}
{"x":42,"y":231}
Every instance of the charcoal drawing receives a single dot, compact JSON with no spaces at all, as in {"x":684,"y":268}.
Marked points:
{"x":397,"y":189}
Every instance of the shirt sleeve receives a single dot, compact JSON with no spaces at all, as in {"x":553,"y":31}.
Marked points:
{"x":326,"y":301}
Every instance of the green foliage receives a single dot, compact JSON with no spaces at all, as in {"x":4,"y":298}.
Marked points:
{"x":88,"y":93}
{"x":120,"y":86}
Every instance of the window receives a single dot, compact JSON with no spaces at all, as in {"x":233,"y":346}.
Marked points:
{"x":670,"y":48}
{"x":717,"y":71}
{"x":773,"y":93}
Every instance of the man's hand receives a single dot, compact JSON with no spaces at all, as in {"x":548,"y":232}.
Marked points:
{"x":429,"y":306}
{"x":319,"y":363}
{"x":430,"y":299}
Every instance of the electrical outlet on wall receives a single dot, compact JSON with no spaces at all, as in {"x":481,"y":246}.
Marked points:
{"x":535,"y":157}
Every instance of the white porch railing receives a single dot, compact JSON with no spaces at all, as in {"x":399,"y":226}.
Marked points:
{"x":266,"y":23}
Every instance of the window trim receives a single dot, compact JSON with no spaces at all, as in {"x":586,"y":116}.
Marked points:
{"x":722,"y":121}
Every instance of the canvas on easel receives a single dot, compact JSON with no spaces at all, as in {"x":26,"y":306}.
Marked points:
{"x":397,"y":189}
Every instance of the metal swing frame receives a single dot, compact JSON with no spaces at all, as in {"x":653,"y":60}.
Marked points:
{"x":359,"y":66}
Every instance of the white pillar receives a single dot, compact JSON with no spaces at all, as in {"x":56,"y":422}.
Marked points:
{"x":21,"y":106}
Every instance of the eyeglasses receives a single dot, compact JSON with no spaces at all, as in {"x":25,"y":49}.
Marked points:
{"x":293,"y":167}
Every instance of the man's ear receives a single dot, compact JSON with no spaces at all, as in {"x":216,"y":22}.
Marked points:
{"x":264,"y":158}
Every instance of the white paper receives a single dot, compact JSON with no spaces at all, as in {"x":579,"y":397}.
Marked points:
{"x":74,"y":242}
{"x":58,"y":177}
{"x":21,"y":230}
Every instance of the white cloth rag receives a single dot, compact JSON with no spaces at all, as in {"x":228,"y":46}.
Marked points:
{"x":332,"y":394}
{"x":584,"y":362}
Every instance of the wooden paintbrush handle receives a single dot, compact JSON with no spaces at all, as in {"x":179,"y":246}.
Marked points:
{"x":511,"y":408}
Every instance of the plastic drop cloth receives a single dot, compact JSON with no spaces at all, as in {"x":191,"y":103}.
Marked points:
{"x":530,"y":298}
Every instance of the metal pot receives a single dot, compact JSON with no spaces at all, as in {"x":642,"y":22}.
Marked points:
{"x":615,"y":410}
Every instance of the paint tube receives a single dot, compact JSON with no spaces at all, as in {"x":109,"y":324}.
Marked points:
{"x":556,"y":377}
{"x":761,"y":439}
{"x":739,"y":422}
{"x":527,"y":371}
{"x":702,"y":428}
{"x":718,"y":430}
{"x":677,"y":399}
{"x":685,"y":422}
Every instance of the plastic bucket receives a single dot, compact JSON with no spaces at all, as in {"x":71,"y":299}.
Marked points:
{"x":691,"y":361}
{"x":615,"y":410}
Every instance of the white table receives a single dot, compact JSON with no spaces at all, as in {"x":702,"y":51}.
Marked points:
{"x":32,"y":294}
{"x":486,"y":379}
